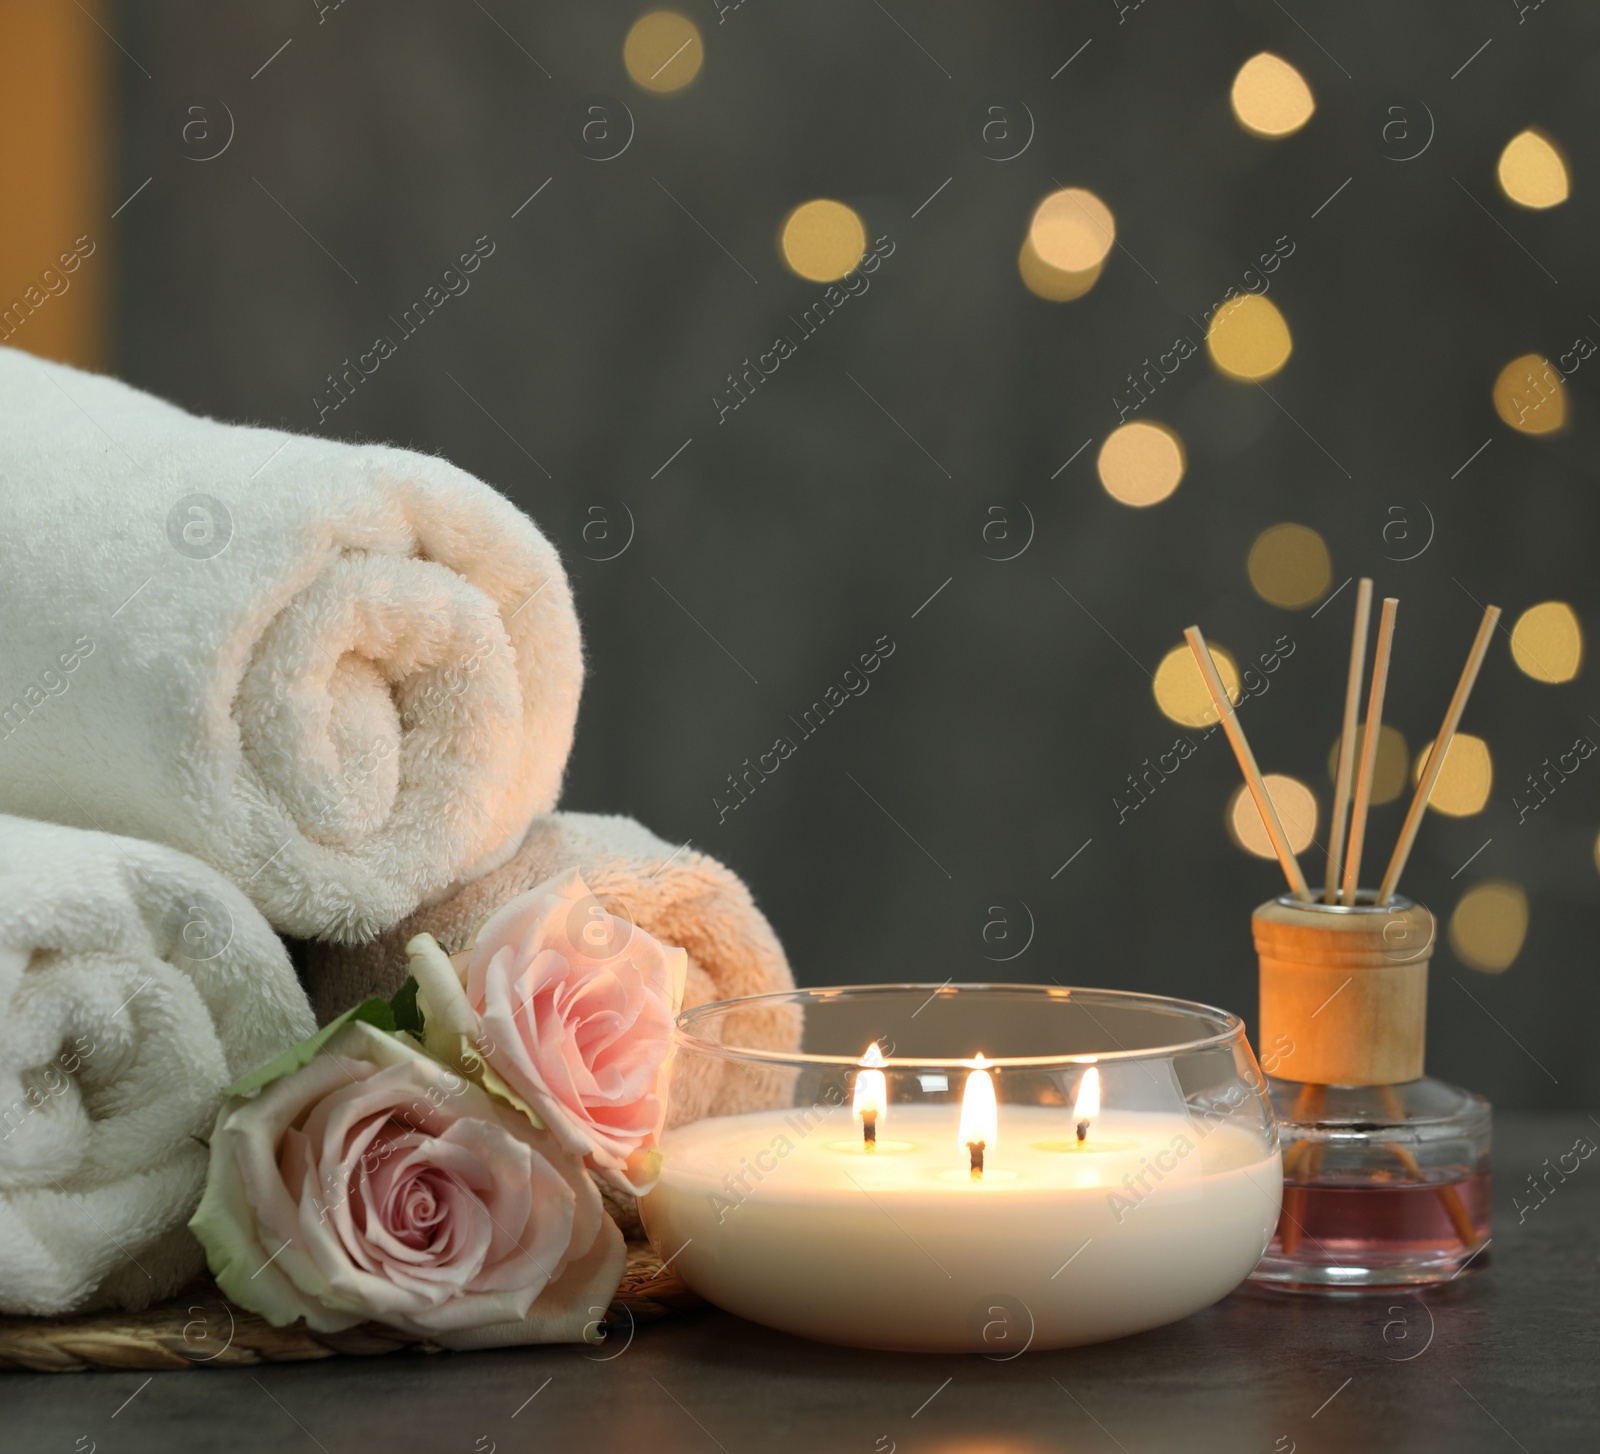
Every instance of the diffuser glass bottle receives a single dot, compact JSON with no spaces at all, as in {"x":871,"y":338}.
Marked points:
{"x":1386,"y":1170}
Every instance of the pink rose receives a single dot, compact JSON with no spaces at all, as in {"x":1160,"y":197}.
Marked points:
{"x":374,"y":1183}
{"x":566,"y":1011}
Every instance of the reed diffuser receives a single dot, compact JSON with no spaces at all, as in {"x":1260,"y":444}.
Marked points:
{"x":1386,"y":1170}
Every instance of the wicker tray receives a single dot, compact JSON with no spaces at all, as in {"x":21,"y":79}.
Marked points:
{"x":201,"y":1329}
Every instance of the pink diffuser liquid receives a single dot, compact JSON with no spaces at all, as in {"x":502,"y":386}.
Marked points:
{"x":1387,"y":1185}
{"x":1383,"y":1228}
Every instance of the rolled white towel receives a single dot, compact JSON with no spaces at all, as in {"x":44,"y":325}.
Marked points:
{"x":344,"y":676}
{"x":134,"y":985}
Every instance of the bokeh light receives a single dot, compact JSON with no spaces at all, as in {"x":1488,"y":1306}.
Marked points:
{"x":1297,"y":809}
{"x":663,"y":51}
{"x":1489,"y":925}
{"x":1388,"y":772}
{"x":1248,"y":338}
{"x":1289,"y":566}
{"x":1072,"y":230}
{"x":1141,"y":463}
{"x":1052,"y":284}
{"x":1547,"y":642}
{"x":1271,"y":98}
{"x":1462,"y":787}
{"x":1181,"y":691}
{"x":1533,"y":172}
{"x":1529,"y":395}
{"x":983,"y":1444}
{"x":822,"y":240}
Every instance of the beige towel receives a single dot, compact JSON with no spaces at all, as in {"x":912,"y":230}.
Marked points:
{"x":682,"y":897}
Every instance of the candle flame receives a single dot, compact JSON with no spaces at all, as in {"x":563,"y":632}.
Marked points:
{"x":979,"y":1118}
{"x":1088,"y":1104}
{"x":872,"y":1089}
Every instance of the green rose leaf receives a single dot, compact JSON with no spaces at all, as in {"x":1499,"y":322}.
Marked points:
{"x":407,"y":1013}
{"x":374,"y":1012}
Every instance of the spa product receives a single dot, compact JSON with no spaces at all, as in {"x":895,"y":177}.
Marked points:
{"x":1386,"y":1171}
{"x":1106,"y":1165}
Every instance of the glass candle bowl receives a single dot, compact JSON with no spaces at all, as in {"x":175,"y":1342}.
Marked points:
{"x":966,"y":1167}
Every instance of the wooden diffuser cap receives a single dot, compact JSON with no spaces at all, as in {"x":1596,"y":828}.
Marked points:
{"x":1344,"y":991}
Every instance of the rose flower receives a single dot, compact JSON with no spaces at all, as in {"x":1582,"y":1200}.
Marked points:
{"x":566,"y":1010}
{"x":374,"y":1183}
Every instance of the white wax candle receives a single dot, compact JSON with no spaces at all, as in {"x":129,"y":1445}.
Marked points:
{"x":784,"y":1218}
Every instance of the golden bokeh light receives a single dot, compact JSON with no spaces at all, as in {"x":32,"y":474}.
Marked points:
{"x":1289,"y":566}
{"x":1052,"y":284}
{"x":1462,"y":787}
{"x":1388,"y":772}
{"x":1533,"y":172}
{"x":1489,"y":925}
{"x":984,"y":1444}
{"x":1270,"y":97}
{"x":663,"y":51}
{"x":1072,"y":230}
{"x":1140,"y":464}
{"x":1297,"y":808}
{"x":1529,"y":395}
{"x":1547,"y":642}
{"x":1248,"y":338}
{"x":1181,"y":690}
{"x":822,"y":240}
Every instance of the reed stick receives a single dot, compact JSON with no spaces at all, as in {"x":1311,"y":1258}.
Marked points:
{"x":1435,"y":763}
{"x":1308,"y":1109}
{"x":1247,"y":764}
{"x":1345,"y":773}
{"x":1369,"y":750}
{"x":1449,"y":1198}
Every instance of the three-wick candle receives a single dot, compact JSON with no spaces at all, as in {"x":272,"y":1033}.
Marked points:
{"x":922,"y":1226}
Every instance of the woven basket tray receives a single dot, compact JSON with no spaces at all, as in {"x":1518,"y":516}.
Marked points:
{"x":201,"y":1329}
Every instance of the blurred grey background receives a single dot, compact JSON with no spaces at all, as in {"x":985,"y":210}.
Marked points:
{"x":743,"y":563}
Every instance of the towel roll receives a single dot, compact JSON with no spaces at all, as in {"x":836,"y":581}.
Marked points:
{"x":344,"y":676}
{"x":680,"y":896}
{"x":134,"y":985}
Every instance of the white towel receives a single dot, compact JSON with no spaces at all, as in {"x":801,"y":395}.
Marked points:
{"x":134,"y":985}
{"x":344,"y":676}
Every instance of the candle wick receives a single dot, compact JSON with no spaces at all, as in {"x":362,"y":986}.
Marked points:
{"x":975,"y":1152}
{"x":869,"y":1130}
{"x":1083,"y":1130}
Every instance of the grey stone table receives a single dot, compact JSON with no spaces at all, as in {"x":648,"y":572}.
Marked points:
{"x":1499,"y":1361}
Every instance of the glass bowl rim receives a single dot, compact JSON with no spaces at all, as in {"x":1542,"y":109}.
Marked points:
{"x":1232,"y":1031}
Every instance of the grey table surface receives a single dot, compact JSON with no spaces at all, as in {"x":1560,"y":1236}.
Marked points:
{"x":1501,"y":1360}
